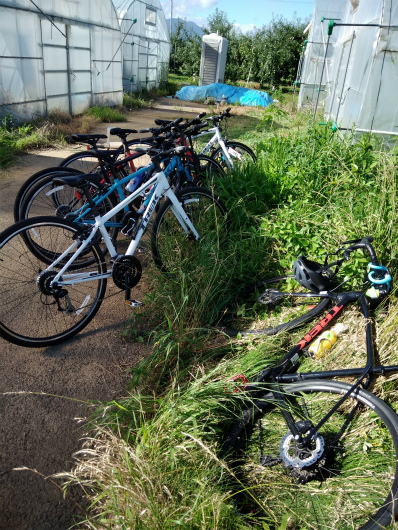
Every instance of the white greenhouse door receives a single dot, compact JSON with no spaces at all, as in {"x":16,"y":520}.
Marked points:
{"x":67,"y":72}
{"x":55,"y":61}
{"x":152,"y":76}
{"x":148,"y":56}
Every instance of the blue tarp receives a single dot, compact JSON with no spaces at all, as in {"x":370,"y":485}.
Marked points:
{"x":233,"y":94}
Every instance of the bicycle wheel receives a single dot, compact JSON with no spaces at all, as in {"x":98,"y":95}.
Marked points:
{"x":82,"y":161}
{"x":240,"y":154}
{"x":340,"y":481}
{"x":32,"y":181}
{"x":268,"y":312}
{"x":33,"y":312}
{"x":172,"y":249}
{"x":144,"y":159}
{"x":204,"y":168}
{"x":66,"y":202}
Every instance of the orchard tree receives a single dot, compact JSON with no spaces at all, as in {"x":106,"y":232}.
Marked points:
{"x":186,"y":49}
{"x":278,"y":51}
{"x":219,"y":23}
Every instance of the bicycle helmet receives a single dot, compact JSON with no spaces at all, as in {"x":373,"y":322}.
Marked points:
{"x":312,"y":275}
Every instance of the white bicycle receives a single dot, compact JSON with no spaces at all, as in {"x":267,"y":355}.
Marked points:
{"x":229,"y":153}
{"x":53,"y":273}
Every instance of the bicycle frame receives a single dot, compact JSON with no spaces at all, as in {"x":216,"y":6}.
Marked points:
{"x":216,"y":138}
{"x":161,"y":188}
{"x":118,"y":188}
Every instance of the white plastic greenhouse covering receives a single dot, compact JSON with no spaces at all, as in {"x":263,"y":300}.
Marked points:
{"x":363,"y":72}
{"x":146,"y":43}
{"x":62,"y":55}
{"x":314,"y":62}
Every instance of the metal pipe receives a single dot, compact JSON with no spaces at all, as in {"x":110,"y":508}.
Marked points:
{"x":320,"y":81}
{"x":345,"y":76}
{"x":367,"y":130}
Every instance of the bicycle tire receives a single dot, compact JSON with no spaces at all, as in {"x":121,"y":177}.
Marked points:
{"x":171,"y":248}
{"x":282,"y":314}
{"x":204,"y":168}
{"x":82,"y":161}
{"x":246,"y":153}
{"x":32,"y":181}
{"x":353,"y":486}
{"x":30,"y":314}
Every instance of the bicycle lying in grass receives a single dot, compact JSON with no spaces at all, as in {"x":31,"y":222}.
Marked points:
{"x":320,"y":451}
{"x":53,"y":273}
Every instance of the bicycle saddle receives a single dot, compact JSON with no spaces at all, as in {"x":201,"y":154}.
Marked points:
{"x":76,"y":180}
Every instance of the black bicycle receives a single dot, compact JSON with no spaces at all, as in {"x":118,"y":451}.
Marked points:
{"x":320,"y":451}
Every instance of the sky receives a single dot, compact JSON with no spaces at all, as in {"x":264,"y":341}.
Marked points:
{"x":245,"y":14}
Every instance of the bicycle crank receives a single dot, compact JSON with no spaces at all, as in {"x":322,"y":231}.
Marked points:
{"x":126,"y":272}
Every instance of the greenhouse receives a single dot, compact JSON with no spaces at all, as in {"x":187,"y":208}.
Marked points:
{"x":361,"y":84}
{"x":146,"y":44}
{"x":58,"y":56}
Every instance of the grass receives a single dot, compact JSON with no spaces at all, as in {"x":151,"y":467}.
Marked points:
{"x":53,"y":131}
{"x":153,"y":458}
{"x":106,"y":114}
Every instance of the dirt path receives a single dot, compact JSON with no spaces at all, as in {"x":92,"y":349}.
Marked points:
{"x":44,"y":391}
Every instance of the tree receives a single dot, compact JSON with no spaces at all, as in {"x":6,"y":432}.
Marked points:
{"x":270,"y":53}
{"x":219,"y":23}
{"x":279,"y":51}
{"x":186,"y":49}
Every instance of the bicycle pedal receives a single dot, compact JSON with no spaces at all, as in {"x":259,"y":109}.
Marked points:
{"x":134,"y":303}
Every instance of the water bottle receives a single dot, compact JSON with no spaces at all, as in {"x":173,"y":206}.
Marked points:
{"x":325,"y":341}
{"x":132,"y":184}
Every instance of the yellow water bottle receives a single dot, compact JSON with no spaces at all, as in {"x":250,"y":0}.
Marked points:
{"x":325,"y":341}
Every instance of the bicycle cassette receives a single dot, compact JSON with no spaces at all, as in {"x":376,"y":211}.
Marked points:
{"x":126,"y":271}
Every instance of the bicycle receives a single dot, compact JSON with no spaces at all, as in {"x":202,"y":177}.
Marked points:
{"x":82,"y":161}
{"x":229,"y":153}
{"x":321,"y":452}
{"x":52,"y":271}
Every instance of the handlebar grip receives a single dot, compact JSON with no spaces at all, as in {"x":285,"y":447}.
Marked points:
{"x":227,"y":110}
{"x":202,"y":115}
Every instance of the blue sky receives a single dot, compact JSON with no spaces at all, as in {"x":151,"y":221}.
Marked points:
{"x":246,"y":14}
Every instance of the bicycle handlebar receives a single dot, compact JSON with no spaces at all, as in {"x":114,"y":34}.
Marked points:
{"x":365,"y":244}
